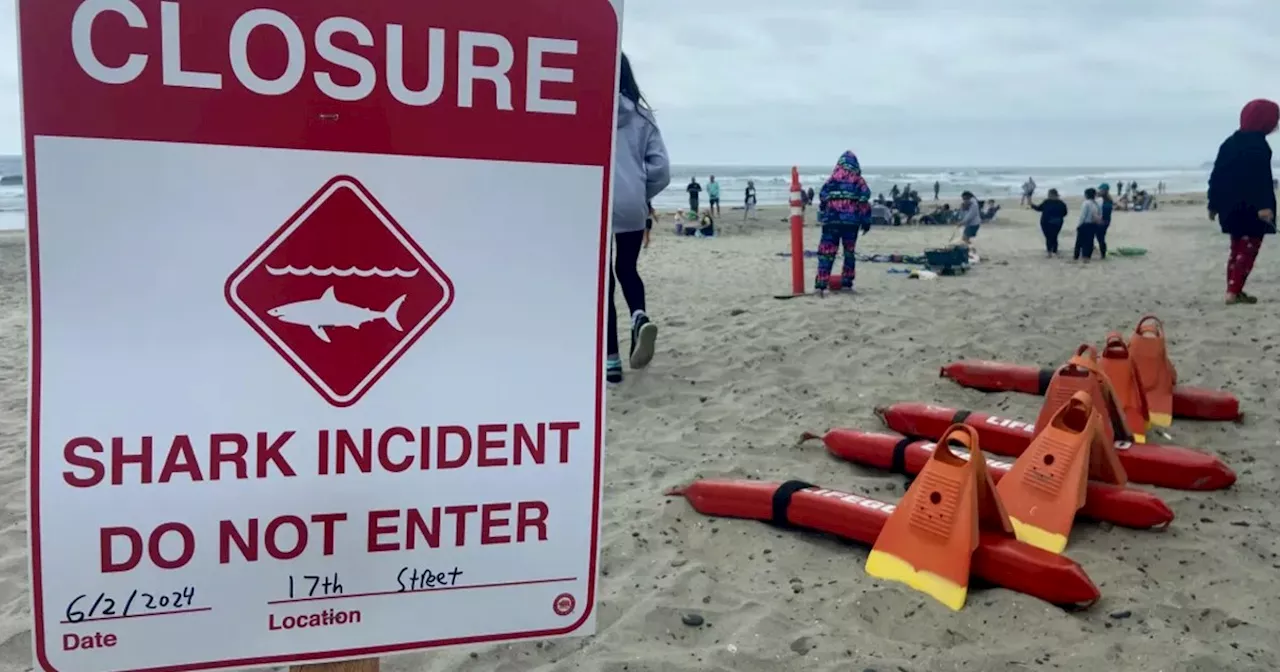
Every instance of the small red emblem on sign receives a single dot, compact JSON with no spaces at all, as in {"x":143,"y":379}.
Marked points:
{"x":564,"y":604}
{"x":340,"y":291}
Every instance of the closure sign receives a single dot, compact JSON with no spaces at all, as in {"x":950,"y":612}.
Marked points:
{"x":316,"y":325}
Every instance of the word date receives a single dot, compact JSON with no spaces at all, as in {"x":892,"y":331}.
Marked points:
{"x":98,"y":640}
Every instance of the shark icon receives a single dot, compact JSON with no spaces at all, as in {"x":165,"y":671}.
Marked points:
{"x":327,"y":312}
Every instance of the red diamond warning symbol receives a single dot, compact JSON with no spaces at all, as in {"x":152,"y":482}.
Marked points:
{"x":340,"y":291}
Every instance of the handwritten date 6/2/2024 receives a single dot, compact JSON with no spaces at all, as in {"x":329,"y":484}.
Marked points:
{"x":103,"y":606}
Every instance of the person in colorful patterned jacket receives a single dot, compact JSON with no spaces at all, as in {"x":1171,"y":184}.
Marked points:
{"x":844,"y":209}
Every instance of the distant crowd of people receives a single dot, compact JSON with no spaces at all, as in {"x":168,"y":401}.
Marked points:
{"x":1091,"y":228}
{"x":1095,"y":215}
{"x":1241,"y":198}
{"x":903,"y":206}
{"x":1134,"y":198}
{"x":694,"y":189}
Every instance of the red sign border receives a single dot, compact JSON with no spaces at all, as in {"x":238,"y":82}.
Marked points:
{"x":289,"y":228}
{"x":35,"y":354}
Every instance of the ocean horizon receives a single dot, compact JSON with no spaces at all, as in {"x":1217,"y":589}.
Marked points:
{"x":773,"y":183}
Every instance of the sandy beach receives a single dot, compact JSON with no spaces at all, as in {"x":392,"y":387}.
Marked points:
{"x":739,"y":375}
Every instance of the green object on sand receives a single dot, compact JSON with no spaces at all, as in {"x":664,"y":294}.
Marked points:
{"x":1130,"y":251}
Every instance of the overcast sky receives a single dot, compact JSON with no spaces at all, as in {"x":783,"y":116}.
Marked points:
{"x":928,"y":82}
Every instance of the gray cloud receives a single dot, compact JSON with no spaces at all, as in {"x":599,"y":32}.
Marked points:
{"x":10,"y":118}
{"x":986,"y":82}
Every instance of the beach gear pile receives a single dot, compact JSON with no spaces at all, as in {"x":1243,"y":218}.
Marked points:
{"x":949,"y":260}
{"x":1006,"y":521}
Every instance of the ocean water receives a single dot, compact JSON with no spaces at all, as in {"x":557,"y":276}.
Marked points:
{"x":13,"y":198}
{"x":773,"y":182}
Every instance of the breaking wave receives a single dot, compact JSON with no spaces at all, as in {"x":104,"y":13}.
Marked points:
{"x":345,"y":272}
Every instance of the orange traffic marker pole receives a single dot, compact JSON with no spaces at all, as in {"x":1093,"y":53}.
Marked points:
{"x":1151,"y":357}
{"x":1048,"y":484}
{"x":1118,"y":367}
{"x":797,"y":238}
{"x":929,"y":540}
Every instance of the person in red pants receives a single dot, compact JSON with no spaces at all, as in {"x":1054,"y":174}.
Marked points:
{"x":1242,"y":194}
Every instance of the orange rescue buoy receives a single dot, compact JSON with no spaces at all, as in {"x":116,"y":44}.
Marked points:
{"x":1193,"y":403}
{"x":1081,"y":374}
{"x":999,"y":558}
{"x":1049,"y":481}
{"x":1118,"y":367}
{"x":1119,"y":505}
{"x":929,"y":541}
{"x":1150,"y":354}
{"x":1151,"y":463}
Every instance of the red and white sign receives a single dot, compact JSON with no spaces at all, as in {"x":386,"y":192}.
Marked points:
{"x":317,"y":325}
{"x":391,"y":291}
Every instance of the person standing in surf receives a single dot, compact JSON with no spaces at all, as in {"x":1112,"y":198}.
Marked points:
{"x":1241,"y":192}
{"x":713,"y":196}
{"x":695,"y":192}
{"x":844,"y":209}
{"x":641,"y":170}
{"x":749,"y":201}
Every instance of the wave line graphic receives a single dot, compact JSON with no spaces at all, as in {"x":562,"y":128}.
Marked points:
{"x":345,"y":272}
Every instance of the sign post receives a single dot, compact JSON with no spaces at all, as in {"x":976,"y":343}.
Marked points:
{"x":361,"y":665}
{"x":317,"y":322}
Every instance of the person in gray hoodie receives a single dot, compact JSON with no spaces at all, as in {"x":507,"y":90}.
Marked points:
{"x":641,"y":170}
{"x":970,"y":217}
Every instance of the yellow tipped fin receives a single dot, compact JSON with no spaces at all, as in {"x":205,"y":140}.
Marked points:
{"x":891,"y":568}
{"x":1043,"y":539}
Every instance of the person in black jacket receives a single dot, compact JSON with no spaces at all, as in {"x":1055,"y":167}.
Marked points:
{"x":1241,"y":192}
{"x":1107,"y":206}
{"x":1053,"y":214}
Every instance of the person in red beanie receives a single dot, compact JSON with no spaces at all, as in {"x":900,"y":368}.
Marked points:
{"x":1242,"y":195}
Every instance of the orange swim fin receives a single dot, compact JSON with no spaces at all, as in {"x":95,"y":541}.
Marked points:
{"x":929,"y":539}
{"x":1148,"y":350}
{"x":1048,"y":483}
{"x":1118,"y":367}
{"x":1082,"y":374}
